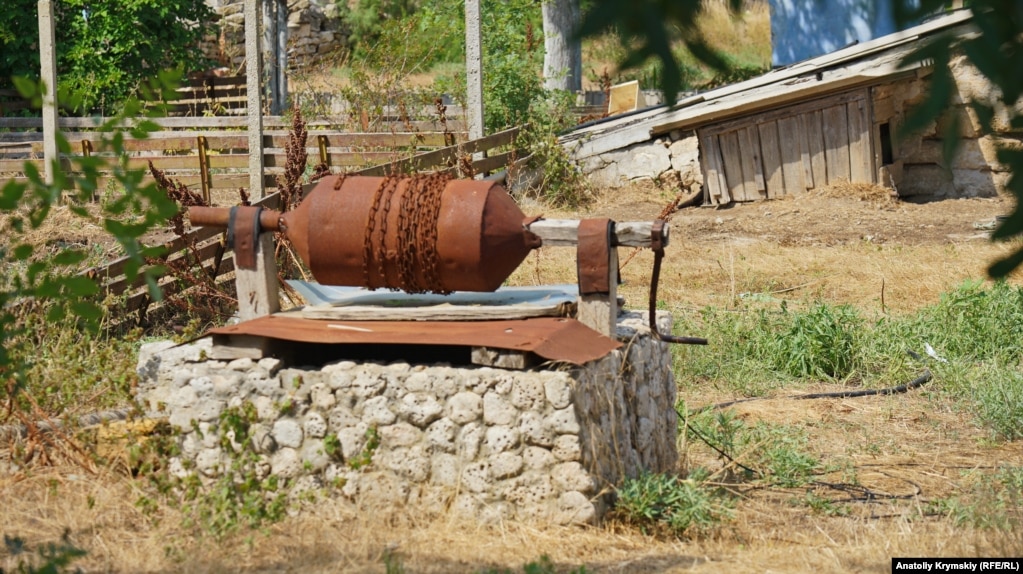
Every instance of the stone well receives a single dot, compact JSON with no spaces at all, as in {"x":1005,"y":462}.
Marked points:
{"x":547,"y":444}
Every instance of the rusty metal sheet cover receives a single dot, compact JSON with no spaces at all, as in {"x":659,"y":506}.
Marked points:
{"x":553,"y":338}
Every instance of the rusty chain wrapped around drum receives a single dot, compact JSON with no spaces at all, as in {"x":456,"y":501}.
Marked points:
{"x":420,"y":233}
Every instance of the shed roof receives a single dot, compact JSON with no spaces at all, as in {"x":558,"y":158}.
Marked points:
{"x":857,"y":65}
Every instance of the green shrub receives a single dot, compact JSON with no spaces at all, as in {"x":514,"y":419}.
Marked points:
{"x":990,"y":500}
{"x":821,"y":342}
{"x":663,"y":502}
{"x":42,"y":297}
{"x":976,"y":330}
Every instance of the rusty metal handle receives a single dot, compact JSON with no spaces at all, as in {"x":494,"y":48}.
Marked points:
{"x":657,"y":242}
{"x":269,"y":220}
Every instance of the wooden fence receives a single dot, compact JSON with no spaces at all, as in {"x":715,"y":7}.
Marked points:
{"x":211,"y":154}
{"x":205,"y":247}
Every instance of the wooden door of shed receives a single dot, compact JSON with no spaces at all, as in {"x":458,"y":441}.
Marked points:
{"x":789,"y":150}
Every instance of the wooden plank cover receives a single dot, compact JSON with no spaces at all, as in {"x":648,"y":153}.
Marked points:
{"x":791,"y":157}
{"x":815,"y":141}
{"x":861,"y":159}
{"x":804,"y":152}
{"x":771,"y":153}
{"x":752,"y":166}
{"x":717,"y":186}
{"x":836,"y":143}
{"x":732,"y":164}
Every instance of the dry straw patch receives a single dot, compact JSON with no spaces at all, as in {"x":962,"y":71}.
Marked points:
{"x":896,"y":445}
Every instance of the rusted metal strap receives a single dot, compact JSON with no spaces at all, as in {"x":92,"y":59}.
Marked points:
{"x":593,"y":254}
{"x":533,"y":240}
{"x":243,"y":234}
{"x":657,"y":235}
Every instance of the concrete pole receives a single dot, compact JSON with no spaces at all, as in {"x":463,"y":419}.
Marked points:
{"x":48,"y":74}
{"x":282,"y":56}
{"x":270,"y":57}
{"x":253,"y":74}
{"x":473,"y":69}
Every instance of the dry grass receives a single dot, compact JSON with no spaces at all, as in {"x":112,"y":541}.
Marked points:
{"x":750,"y":30}
{"x":772,"y":533}
{"x":915,"y":445}
{"x":60,"y":226}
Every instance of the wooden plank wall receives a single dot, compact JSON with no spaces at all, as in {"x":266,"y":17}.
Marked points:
{"x":790,"y":150}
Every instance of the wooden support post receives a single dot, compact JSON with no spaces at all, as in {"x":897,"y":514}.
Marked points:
{"x":204,"y":168}
{"x":324,"y":156}
{"x":86,"y":148}
{"x":599,"y":311}
{"x":257,"y":288}
{"x":565,"y":232}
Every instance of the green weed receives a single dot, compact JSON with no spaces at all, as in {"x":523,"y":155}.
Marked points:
{"x":775,"y":454}
{"x":822,"y":505}
{"x":820,"y":343}
{"x":976,"y":330}
{"x":243,"y":493}
{"x":365,"y":457}
{"x":667,"y":503}
{"x":991,"y":501}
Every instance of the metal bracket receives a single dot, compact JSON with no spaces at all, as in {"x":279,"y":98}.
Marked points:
{"x":533,"y":241}
{"x":596,"y":239}
{"x":243,"y":234}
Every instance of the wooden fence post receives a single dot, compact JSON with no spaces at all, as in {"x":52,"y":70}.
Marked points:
{"x":204,"y":168}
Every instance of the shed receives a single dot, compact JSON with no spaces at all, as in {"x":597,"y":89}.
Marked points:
{"x":828,"y":119}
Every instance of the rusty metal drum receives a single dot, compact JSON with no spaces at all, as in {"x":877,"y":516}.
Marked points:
{"x":420,"y":233}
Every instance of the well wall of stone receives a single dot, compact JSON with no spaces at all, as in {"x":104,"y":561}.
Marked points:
{"x":548,"y":444}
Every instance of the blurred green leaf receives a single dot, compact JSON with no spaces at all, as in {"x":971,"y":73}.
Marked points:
{"x":23,"y":252}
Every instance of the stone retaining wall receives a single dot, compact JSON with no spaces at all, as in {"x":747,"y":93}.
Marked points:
{"x":673,"y":159}
{"x":314,"y":30}
{"x":545,"y":445}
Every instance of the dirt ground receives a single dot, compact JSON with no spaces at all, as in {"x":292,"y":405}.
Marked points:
{"x":904,"y":452}
{"x":836,"y":215}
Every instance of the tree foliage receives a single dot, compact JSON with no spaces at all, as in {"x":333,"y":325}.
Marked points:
{"x":106,"y":49}
{"x":32,"y":279}
{"x":367,"y":20}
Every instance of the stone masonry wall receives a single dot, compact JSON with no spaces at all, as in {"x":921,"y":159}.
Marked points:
{"x":975,"y":170}
{"x":490,"y":443}
{"x":671,"y":159}
{"x":314,"y":30}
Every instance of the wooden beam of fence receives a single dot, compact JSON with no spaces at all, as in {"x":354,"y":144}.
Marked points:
{"x":445,"y":156}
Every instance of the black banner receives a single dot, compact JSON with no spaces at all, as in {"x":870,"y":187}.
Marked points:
{"x":956,"y":565}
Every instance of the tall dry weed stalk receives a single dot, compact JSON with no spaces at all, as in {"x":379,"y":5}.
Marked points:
{"x":289,"y":184}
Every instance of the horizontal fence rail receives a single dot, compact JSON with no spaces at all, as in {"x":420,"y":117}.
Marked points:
{"x":211,"y":154}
